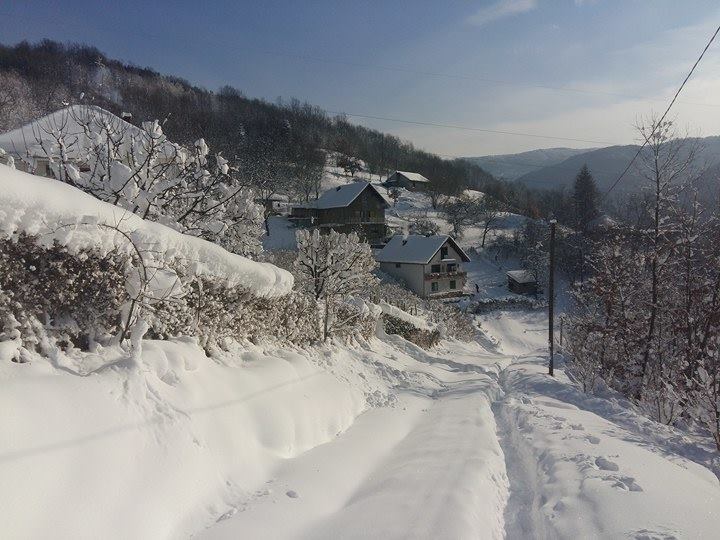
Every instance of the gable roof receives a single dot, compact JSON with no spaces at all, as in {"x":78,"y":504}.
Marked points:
{"x":413,"y":176}
{"x":416,"y":248}
{"x":343,"y":196}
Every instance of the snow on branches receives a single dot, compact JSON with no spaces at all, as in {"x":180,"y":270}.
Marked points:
{"x":335,"y":266}
{"x":140,"y":170}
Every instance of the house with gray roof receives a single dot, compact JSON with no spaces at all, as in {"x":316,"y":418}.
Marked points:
{"x":431,"y":266}
{"x":409,"y":180}
{"x":357,"y":207}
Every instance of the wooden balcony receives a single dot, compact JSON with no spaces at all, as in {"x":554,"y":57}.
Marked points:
{"x":445,"y":275}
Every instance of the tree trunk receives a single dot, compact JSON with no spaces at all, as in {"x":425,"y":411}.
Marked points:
{"x":326,"y":319}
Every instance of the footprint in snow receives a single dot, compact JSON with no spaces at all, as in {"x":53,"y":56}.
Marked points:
{"x":605,"y":464}
{"x":592,"y":439}
{"x":626,"y":483}
{"x":647,"y":534}
{"x":292,"y":494}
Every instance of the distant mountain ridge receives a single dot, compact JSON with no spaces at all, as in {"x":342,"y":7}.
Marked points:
{"x":513,"y":166}
{"x":605,"y":164}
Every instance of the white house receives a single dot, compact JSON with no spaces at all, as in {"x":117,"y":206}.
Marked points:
{"x":429,"y":265}
{"x":408,"y":180}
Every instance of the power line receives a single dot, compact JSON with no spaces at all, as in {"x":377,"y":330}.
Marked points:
{"x":659,"y":122}
{"x":496,"y":82}
{"x":466,"y":128}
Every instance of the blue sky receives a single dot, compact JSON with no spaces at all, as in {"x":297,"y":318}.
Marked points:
{"x":484,"y":64}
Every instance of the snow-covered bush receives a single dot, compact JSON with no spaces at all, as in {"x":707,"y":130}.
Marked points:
{"x":421,"y":337}
{"x":140,"y":170}
{"x":449,"y":319}
{"x":216,"y":313}
{"x":76,"y":297}
{"x":50,"y":295}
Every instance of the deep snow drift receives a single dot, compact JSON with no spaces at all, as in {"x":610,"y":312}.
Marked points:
{"x":380,"y":439}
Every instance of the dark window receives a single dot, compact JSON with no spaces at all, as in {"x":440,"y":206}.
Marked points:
{"x":435,"y":268}
{"x":453,"y":284}
{"x":443,"y":252}
{"x":397,"y":265}
{"x":434,"y":286}
{"x":451,"y":267}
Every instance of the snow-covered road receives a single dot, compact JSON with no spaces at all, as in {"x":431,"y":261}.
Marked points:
{"x":430,"y":467}
{"x":499,"y":449}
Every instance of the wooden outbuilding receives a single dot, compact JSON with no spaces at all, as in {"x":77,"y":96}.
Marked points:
{"x":522,"y":282}
{"x":408,"y":180}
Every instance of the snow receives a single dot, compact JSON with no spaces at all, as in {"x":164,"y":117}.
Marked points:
{"x":521,"y":276}
{"x":57,"y":211}
{"x":282,"y":235}
{"x":36,"y":138}
{"x":413,"y":176}
{"x":370,"y":439}
{"x":417,"y":322}
{"x":415,"y":248}
{"x":343,"y":195}
{"x":583,"y":467}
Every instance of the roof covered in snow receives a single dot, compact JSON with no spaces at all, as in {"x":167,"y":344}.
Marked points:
{"x":343,"y":196}
{"x":416,"y":248}
{"x":521,"y":276}
{"x":413,"y":176}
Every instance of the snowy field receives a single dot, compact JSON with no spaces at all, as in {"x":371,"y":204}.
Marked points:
{"x":381,"y":439}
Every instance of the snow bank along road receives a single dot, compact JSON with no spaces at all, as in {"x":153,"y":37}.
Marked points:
{"x":382,"y":440}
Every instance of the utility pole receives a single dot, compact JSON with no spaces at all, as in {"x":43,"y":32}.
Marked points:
{"x":551,"y":296}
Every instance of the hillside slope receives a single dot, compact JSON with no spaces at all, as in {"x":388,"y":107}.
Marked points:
{"x":606,"y":164}
{"x":513,"y":166}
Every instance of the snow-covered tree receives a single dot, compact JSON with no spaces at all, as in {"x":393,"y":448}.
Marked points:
{"x":139,"y":169}
{"x":335,"y":266}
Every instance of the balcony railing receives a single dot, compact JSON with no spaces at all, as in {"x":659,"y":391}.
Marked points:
{"x":440,"y":275}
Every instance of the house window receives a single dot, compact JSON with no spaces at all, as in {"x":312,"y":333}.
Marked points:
{"x":398,"y":265}
{"x":435,"y":268}
{"x":434,"y":286}
{"x":453,"y":285}
{"x":451,"y":267}
{"x":443,"y":252}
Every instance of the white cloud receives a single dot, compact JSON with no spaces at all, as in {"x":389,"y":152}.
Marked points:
{"x":500,"y":10}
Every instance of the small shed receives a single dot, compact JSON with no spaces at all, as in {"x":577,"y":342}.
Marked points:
{"x":409,"y":180}
{"x":522,"y":282}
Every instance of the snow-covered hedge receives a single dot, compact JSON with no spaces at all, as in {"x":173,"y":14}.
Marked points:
{"x":53,"y":211}
{"x":421,"y":337}
{"x":77,"y":270}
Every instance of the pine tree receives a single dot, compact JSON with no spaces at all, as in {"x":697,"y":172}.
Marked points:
{"x":586,"y":199}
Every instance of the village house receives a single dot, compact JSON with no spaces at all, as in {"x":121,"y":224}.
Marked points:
{"x":431,"y":266}
{"x":408,"y":180}
{"x":357,"y":207}
{"x":522,"y":282}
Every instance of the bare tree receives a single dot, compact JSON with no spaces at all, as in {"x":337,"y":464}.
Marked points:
{"x":334,"y":266}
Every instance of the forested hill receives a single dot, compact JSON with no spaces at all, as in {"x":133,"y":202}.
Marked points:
{"x":36,"y":79}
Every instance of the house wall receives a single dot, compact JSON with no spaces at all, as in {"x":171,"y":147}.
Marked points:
{"x":366,"y":208}
{"x":444,"y":281}
{"x":412,"y":274}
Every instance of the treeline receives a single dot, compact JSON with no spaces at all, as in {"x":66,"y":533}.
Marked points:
{"x":647,"y":321}
{"x":266,"y":139}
